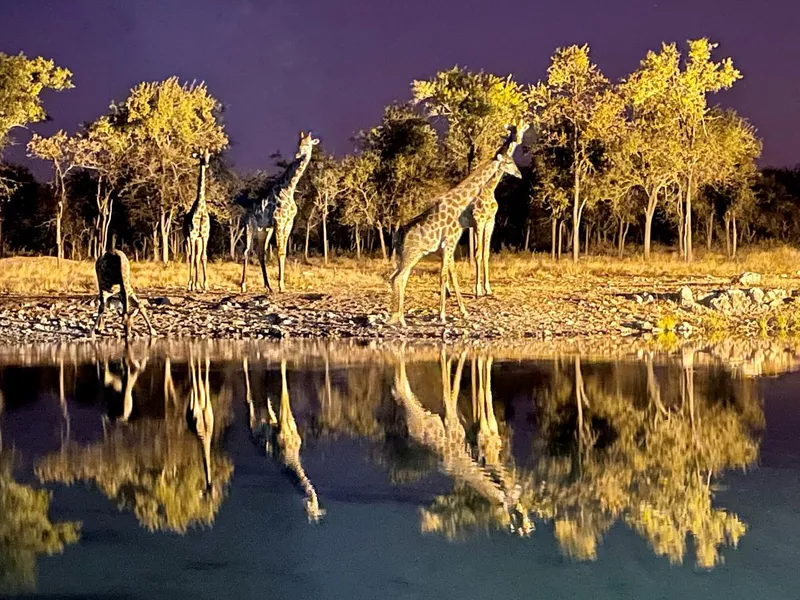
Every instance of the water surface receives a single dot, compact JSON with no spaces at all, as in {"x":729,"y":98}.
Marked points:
{"x":340,"y":471}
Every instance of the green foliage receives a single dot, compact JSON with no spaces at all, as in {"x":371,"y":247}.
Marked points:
{"x":22,"y":80}
{"x":26,"y":531}
{"x":477,"y":108}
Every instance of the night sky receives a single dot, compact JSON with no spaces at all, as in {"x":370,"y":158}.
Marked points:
{"x":279,"y":67}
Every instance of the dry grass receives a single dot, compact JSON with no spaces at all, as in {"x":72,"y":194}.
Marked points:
{"x":43,"y":275}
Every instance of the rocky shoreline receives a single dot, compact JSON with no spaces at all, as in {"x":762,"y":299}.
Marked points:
{"x":577,"y":310}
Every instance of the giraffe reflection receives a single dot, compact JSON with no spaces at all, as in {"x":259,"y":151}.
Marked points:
{"x":478,"y":497}
{"x":279,"y":436}
{"x":130,"y":370}
{"x":151,"y":466}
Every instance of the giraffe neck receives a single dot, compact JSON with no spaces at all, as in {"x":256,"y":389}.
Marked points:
{"x":293,"y":174}
{"x":200,"y":201}
{"x":465,"y":192}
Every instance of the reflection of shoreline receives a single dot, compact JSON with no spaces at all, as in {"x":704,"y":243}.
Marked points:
{"x":748,"y":357}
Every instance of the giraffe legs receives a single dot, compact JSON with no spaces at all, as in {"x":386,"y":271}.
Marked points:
{"x":479,"y":290}
{"x":204,"y":261}
{"x":190,"y":263}
{"x":248,"y":244}
{"x":281,"y":240}
{"x":399,"y":281}
{"x":262,"y":258}
{"x":449,"y":266}
{"x":486,"y":245}
{"x":101,"y":313}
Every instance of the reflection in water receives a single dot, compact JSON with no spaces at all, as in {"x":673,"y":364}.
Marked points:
{"x":638,"y":443}
{"x":279,"y":436}
{"x":26,"y":530}
{"x":153,"y":466}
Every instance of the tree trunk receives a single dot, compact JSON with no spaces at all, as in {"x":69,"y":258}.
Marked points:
{"x":165,"y":222}
{"x":528,"y":237}
{"x":625,"y":235}
{"x":232,"y":240}
{"x":382,"y":241}
{"x":734,"y":236}
{"x":560,"y":239}
{"x":59,"y":240}
{"x":325,"y":234}
{"x":2,"y":242}
{"x":727,"y":219}
{"x":358,"y":244}
{"x":620,"y":238}
{"x":587,"y":233}
{"x":710,"y":230}
{"x":155,"y":242}
{"x":681,"y":228}
{"x":553,"y":236}
{"x":688,"y":222}
{"x":652,"y":201}
{"x":576,"y":217}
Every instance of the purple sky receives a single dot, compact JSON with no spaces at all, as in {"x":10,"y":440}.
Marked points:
{"x":280,"y":67}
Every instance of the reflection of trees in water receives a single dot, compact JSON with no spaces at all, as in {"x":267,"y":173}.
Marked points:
{"x":156,"y":468}
{"x":26,"y":530}
{"x":608,"y":452}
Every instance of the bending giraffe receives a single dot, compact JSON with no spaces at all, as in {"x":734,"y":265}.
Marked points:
{"x":196,"y":229}
{"x":276,"y":213}
{"x":114,"y":277}
{"x":481,"y":215}
{"x":446,"y":438}
{"x":126,"y":381}
{"x":439,"y":228}
{"x":279,"y":436}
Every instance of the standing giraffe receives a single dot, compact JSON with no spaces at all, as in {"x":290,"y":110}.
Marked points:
{"x":276,"y":212}
{"x":196,"y":228}
{"x":279,"y":436}
{"x":439,"y":228}
{"x":446,"y":438}
{"x":481,"y":215}
{"x":114,"y":276}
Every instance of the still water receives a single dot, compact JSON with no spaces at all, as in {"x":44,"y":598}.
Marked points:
{"x":216,"y":470}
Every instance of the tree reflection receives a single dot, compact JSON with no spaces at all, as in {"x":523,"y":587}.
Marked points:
{"x":648,"y":462}
{"x":154,"y":467}
{"x":279,"y":436}
{"x":26,"y":530}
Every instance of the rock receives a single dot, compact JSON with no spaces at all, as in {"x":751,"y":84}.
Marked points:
{"x":756,"y":295}
{"x":721,"y":303}
{"x":686,"y":298}
{"x":748,"y":278}
{"x":737,"y":298}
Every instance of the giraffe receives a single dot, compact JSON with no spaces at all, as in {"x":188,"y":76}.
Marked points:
{"x":481,"y":214}
{"x":439,"y":228}
{"x":446,"y":437}
{"x":276,"y":213}
{"x":489,"y":442}
{"x":280,"y":437}
{"x":114,"y":277}
{"x":196,"y":229}
{"x":200,"y":413}
{"x":125,"y":382}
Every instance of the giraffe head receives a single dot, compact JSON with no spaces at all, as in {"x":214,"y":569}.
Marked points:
{"x":307,"y":143}
{"x":203,"y":155}
{"x":508,"y":166}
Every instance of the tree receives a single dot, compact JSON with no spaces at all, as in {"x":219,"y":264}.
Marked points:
{"x":360,"y":207}
{"x":579,"y":113}
{"x":410,"y":169}
{"x":687,"y":96}
{"x":326,"y":179}
{"x":61,"y":150}
{"x":22,"y":80}
{"x":550,"y":192}
{"x":166,"y":121}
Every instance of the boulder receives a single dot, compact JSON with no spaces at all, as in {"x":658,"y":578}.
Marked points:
{"x":686,"y":298}
{"x":756,"y":295}
{"x":748,"y":278}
